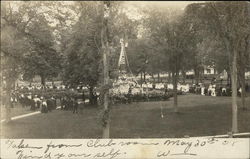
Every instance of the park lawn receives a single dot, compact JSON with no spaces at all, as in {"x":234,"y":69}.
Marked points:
{"x":17,"y":110}
{"x":199,"y":116}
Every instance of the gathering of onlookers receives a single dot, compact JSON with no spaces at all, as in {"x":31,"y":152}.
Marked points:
{"x":215,"y":89}
{"x":122,"y":93}
{"x":35,"y":102}
{"x":47,"y":103}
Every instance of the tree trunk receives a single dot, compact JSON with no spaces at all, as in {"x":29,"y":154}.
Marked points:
{"x":241,"y":78}
{"x":243,"y":91}
{"x":229,"y":78}
{"x":43,"y":81}
{"x":106,"y":96}
{"x":241,"y":72}
{"x":141,"y":79}
{"x":170,"y":77}
{"x":201,"y":71}
{"x":158,"y":76}
{"x":144,"y":76}
{"x":52,"y":81}
{"x":175,"y":80}
{"x":175,"y":92}
{"x":196,"y":75}
{"x":153,"y":77}
{"x":184,"y":76}
{"x":91,"y":96}
{"x":105,"y":47}
{"x":7,"y":101}
{"x":234,"y":93}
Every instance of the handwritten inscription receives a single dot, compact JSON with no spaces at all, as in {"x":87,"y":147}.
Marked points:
{"x":110,"y":148}
{"x":50,"y":145}
{"x":20,"y":145}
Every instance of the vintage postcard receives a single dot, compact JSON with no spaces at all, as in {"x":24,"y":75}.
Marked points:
{"x":125,"y":79}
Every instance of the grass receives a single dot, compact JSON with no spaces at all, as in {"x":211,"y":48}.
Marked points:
{"x":199,"y":116}
{"x":17,"y":110}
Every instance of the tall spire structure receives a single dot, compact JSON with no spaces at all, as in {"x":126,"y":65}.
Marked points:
{"x":122,"y":58}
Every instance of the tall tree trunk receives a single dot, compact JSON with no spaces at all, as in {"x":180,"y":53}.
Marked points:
{"x":244,"y":56}
{"x":158,"y":76}
{"x":243,"y":91}
{"x":241,"y":78}
{"x":91,"y":95}
{"x":192,"y":77}
{"x":153,"y":77}
{"x":234,"y":93}
{"x":106,"y":97}
{"x":201,"y":71}
{"x":105,"y":47}
{"x":43,"y":81}
{"x":52,"y":81}
{"x":7,"y":101}
{"x":229,"y":79}
{"x":175,"y":92}
{"x":183,"y":76}
{"x":170,"y":75}
{"x":144,"y":76}
{"x":175,"y":80}
{"x":196,"y":75}
{"x":141,"y":79}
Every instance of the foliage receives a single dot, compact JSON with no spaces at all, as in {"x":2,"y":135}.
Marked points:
{"x":30,"y":22}
{"x":83,"y":52}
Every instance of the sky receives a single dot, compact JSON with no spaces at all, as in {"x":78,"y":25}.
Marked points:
{"x":132,"y":5}
{"x":172,"y":4}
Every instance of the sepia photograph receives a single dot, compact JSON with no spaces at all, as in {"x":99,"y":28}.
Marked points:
{"x":124,"y":70}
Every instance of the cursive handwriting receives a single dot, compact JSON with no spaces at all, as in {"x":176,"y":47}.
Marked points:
{"x":79,"y":155}
{"x":111,"y":154}
{"x":96,"y":143}
{"x":163,"y":154}
{"x":111,"y":148}
{"x":20,"y":155}
{"x":50,"y":145}
{"x":20,"y":145}
{"x":179,"y":143}
{"x":123,"y":143}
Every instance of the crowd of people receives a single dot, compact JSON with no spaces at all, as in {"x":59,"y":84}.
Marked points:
{"x":215,"y":89}
{"x":40,"y":87}
{"x":127,"y":91}
{"x":73,"y":104}
{"x":123,"y":91}
{"x":33,"y":102}
{"x":47,"y":103}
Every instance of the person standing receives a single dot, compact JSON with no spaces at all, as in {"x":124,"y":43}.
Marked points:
{"x":130,"y":94}
{"x":44,"y":105}
{"x":75,"y":106}
{"x":37,"y":102}
{"x":202,"y":90}
{"x":32,"y":104}
{"x":50,"y":104}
